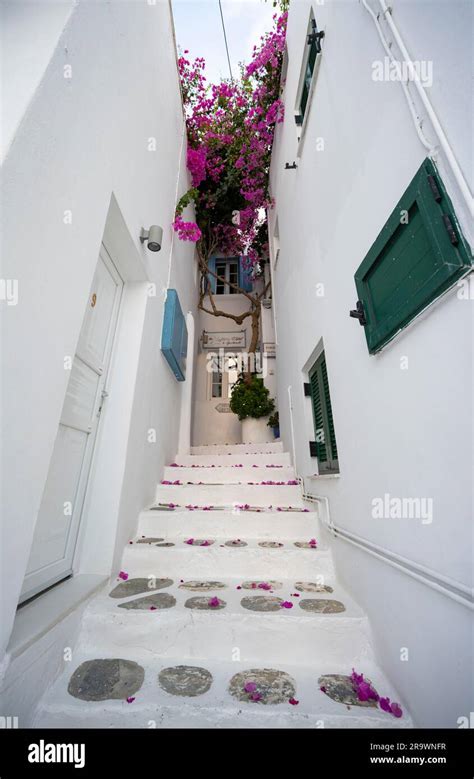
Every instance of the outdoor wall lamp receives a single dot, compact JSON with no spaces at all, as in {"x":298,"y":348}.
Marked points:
{"x":153,"y":237}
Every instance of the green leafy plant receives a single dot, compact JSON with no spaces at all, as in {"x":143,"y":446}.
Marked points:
{"x":274,"y":420}
{"x":251,"y":398}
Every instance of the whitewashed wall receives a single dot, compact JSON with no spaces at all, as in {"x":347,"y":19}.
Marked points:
{"x":403,"y":432}
{"x":80,"y":140}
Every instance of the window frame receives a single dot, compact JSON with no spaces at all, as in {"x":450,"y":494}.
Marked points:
{"x":301,"y":128}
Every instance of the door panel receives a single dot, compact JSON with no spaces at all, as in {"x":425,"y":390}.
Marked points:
{"x":59,"y":517}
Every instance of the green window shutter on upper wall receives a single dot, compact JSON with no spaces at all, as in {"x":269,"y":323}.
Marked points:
{"x":326,"y":448}
{"x":419,"y":253}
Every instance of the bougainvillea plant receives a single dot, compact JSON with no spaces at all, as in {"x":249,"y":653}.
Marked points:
{"x":230,"y":130}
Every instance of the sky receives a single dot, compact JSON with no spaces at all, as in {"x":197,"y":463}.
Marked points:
{"x":199,"y":28}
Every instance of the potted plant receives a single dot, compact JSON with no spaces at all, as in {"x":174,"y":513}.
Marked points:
{"x":274,"y":423}
{"x":253,"y":405}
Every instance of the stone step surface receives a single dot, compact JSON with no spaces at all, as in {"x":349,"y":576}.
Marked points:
{"x":207,"y":619}
{"x":218,"y":559}
{"x":188,"y":693}
{"x":225,"y":461}
{"x":224,"y":449}
{"x":230,"y":524}
{"x":232,"y":474}
{"x":229,"y":494}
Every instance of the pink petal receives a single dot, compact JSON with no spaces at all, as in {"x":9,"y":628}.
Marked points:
{"x":293,"y":701}
{"x":123,"y":575}
{"x":130,"y":700}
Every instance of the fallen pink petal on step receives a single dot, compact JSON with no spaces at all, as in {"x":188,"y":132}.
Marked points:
{"x":123,"y":575}
{"x":293,"y":701}
{"x":130,"y":700}
{"x":189,"y":541}
{"x":213,"y":602}
{"x":250,"y":687}
{"x":385,"y":704}
{"x":396,"y":710}
{"x":255,"y":696}
{"x":286,"y":604}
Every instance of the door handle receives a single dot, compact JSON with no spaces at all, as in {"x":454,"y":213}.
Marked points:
{"x":103,"y":397}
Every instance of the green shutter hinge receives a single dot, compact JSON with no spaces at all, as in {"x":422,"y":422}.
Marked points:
{"x":358,"y":313}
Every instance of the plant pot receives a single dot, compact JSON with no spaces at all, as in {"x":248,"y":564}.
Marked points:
{"x":256,"y":431}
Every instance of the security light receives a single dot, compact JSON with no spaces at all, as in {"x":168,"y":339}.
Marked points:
{"x":153,"y":237}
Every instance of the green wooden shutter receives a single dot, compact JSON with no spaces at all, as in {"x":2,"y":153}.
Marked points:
{"x":330,"y":421}
{"x":419,"y":254}
{"x":317,"y":398}
{"x":326,"y":448}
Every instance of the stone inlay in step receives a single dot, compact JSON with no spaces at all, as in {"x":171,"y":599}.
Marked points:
{"x":322,"y":605}
{"x":270,"y":544}
{"x":205,"y":603}
{"x":261,"y":603}
{"x":202,"y":586}
{"x":272,"y":686}
{"x":137,"y":586}
{"x":237,"y":542}
{"x":165,"y":543}
{"x":340,"y":688}
{"x":102,"y":680}
{"x":185,"y":680}
{"x":149,"y":540}
{"x":254,"y":585}
{"x":162,"y":600}
{"x":305,"y":545}
{"x":312,"y":587}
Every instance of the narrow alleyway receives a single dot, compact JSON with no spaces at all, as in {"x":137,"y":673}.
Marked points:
{"x":227,"y":600}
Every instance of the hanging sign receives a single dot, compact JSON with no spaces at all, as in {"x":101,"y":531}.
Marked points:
{"x":231,"y":340}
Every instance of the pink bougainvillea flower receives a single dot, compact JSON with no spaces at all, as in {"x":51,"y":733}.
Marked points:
{"x":396,"y":710}
{"x":293,"y":701}
{"x":264,"y":586}
{"x":250,"y":687}
{"x":313,"y":542}
{"x":205,"y":543}
{"x":238,"y":587}
{"x":323,"y":689}
{"x":189,"y":541}
{"x":130,"y":699}
{"x":255,"y":696}
{"x":292,"y":481}
{"x":123,"y":575}
{"x":286,"y":604}
{"x":385,"y":705}
{"x":295,"y":595}
{"x":213,"y":602}
{"x":152,"y":608}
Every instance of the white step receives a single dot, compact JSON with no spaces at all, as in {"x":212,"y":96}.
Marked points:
{"x":232,"y":474}
{"x":274,"y":458}
{"x":262,"y":637}
{"x":270,"y":448}
{"x":217,"y":708}
{"x":225,"y":495}
{"x":297,"y":525}
{"x":208,"y":562}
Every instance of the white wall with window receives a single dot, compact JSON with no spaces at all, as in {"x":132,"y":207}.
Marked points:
{"x":403,"y":416}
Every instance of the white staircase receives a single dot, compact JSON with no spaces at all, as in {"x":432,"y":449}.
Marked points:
{"x":243,"y":534}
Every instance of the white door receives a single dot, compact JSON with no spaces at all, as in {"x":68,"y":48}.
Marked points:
{"x":59,"y":517}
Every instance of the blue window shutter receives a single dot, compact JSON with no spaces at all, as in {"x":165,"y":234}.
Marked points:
{"x":245,"y":282}
{"x":211,"y":264}
{"x":174,"y":337}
